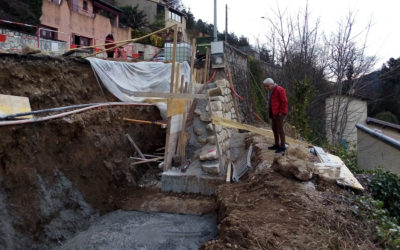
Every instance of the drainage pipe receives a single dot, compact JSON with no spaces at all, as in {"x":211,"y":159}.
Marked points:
{"x":43,"y":111}
{"x":57,"y":116}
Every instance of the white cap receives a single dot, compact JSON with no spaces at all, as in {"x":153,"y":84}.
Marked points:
{"x":268,"y":81}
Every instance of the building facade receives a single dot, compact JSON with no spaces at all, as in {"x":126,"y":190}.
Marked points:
{"x":342,"y":113}
{"x":156,"y":8}
{"x":81,"y":22}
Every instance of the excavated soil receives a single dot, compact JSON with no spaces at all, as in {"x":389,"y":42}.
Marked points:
{"x":266,"y":210}
{"x":50,"y":81}
{"x":56,"y":176}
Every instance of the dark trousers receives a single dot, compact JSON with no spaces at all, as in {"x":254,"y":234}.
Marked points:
{"x":277,"y":128}
{"x":110,"y":54}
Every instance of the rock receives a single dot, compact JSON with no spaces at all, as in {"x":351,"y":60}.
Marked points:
{"x":197,"y":131}
{"x":210,"y":127}
{"x":211,"y":140}
{"x":222,"y":83}
{"x":208,"y":153}
{"x":198,"y":112}
{"x":202,"y":140}
{"x":215,"y":91}
{"x":216,"y":106}
{"x":217,"y":98}
{"x":290,"y":166}
{"x":218,"y":113}
{"x":207,"y":108}
{"x":218,"y":128}
{"x":211,"y":168}
{"x":205,"y":117}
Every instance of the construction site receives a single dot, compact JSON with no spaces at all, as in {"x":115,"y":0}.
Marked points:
{"x":122,"y":153}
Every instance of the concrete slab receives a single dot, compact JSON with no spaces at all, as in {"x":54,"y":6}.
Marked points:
{"x":194,"y":180}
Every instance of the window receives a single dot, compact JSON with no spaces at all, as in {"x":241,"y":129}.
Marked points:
{"x":48,"y":33}
{"x":81,"y":41}
{"x":85,"y":5}
{"x":175,"y":17}
{"x":58,"y":2}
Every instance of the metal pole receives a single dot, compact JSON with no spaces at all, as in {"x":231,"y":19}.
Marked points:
{"x":226,"y":23}
{"x":215,"y":21}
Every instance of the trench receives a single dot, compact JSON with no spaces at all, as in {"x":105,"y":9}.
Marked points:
{"x":68,"y":183}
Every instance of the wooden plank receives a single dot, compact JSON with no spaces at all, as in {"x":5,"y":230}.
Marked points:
{"x":135,"y":146}
{"x":178,"y":73}
{"x":206,"y":66}
{"x":193,"y":55}
{"x":176,"y":107}
{"x":261,"y":131}
{"x":229,"y":172}
{"x":170,"y":95}
{"x":147,"y":161}
{"x":170,"y":140}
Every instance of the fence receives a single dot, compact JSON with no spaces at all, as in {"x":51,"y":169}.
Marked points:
{"x":15,"y":41}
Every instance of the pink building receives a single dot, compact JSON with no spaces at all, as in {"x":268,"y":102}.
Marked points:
{"x":81,"y":22}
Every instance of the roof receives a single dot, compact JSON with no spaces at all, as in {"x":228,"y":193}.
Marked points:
{"x":108,"y":5}
{"x":384,"y":138}
{"x":383,"y":123}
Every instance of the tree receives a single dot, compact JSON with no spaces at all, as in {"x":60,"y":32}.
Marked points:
{"x":174,"y":4}
{"x":389,"y":99}
{"x":347,"y":65}
{"x":133,"y":17}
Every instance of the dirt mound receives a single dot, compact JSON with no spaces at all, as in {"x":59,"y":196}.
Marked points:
{"x":269,"y":211}
{"x":49,"y":81}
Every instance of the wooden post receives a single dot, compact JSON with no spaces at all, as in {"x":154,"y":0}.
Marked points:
{"x":168,"y":155}
{"x":192,"y":65}
{"x":178,"y":73}
{"x":207,"y":65}
{"x":182,"y":83}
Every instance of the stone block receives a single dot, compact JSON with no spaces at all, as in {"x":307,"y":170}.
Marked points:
{"x":208,"y":153}
{"x":211,"y":140}
{"x":197,"y":131}
{"x":211,"y":168}
{"x":197,"y":111}
{"x":217,"y":98}
{"x":215,"y":92}
{"x":218,"y":113}
{"x":205,"y":117}
{"x":202,"y":140}
{"x":222,"y":83}
{"x":218,"y":128}
{"x":216,"y":106}
{"x":209,"y":127}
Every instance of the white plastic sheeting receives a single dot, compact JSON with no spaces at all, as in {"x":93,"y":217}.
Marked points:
{"x":123,"y":79}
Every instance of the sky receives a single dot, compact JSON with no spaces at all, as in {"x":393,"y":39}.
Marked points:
{"x":244,"y":18}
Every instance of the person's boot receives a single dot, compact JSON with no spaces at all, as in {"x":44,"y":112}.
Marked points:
{"x":274,"y":147}
{"x":280,"y":150}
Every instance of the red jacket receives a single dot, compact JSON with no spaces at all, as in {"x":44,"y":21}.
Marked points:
{"x":109,"y":43}
{"x":278,"y":103}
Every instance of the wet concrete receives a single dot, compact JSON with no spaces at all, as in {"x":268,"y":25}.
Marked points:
{"x":141,"y":230}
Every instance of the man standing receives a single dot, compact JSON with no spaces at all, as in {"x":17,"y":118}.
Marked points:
{"x":278,"y":109}
{"x":110,"y":44}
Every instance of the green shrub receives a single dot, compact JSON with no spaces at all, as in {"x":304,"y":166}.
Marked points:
{"x":387,"y":117}
{"x":385,"y":186}
{"x":387,"y":229}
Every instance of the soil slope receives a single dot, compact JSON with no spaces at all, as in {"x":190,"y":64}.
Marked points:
{"x":268,"y":211}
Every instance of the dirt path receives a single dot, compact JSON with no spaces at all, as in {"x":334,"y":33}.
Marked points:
{"x":268,"y":211}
